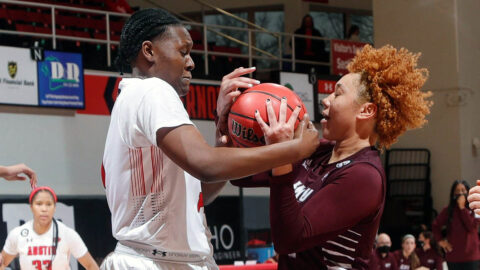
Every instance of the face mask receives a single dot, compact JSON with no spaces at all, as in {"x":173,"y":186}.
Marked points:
{"x":383,"y":249}
{"x":420,"y":243}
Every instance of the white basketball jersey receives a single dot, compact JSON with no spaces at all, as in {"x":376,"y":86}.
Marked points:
{"x":154,"y":203}
{"x":36,"y":251}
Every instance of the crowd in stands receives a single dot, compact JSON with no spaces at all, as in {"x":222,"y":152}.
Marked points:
{"x":453,"y":239}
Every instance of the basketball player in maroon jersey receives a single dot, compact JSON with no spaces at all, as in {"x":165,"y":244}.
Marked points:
{"x":326,"y":210}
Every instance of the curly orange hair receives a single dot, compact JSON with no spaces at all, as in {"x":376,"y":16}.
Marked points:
{"x":392,"y":81}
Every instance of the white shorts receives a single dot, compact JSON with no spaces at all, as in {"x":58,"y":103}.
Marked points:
{"x":121,"y":260}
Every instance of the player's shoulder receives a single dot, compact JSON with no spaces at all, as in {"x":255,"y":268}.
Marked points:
{"x":63,"y":226}
{"x":22,"y":230}
{"x":365,"y":174}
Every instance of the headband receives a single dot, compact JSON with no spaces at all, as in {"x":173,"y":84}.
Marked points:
{"x":37,"y":189}
{"x":405,"y":237}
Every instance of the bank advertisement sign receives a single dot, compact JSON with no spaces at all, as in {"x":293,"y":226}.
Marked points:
{"x":60,"y":80}
{"x":343,"y":52}
{"x":18,"y":77}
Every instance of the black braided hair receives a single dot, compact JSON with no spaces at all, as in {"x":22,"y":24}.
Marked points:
{"x":142,"y":25}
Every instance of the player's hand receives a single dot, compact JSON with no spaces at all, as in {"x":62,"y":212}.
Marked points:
{"x":307,"y":138}
{"x":474,"y":198}
{"x":445,"y":245}
{"x":13,"y":173}
{"x":228,"y":92}
{"x":281,"y":129}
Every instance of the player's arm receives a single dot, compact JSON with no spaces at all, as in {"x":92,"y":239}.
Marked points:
{"x":6,"y":259}
{"x":210,"y":191}
{"x":187,"y":148}
{"x":355,"y":194}
{"x":14,"y":172}
{"x":88,"y":262}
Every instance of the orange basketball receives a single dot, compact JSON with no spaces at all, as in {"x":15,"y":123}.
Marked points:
{"x":242,"y":125}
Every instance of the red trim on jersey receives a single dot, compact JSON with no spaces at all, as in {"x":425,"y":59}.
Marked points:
{"x":142,"y":173}
{"x":136,"y":168}
{"x":103,"y":176}
{"x":200,"y":202}
{"x":157,"y":184}
{"x":154,"y":171}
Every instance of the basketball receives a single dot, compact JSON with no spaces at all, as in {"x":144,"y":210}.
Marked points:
{"x":242,"y":125}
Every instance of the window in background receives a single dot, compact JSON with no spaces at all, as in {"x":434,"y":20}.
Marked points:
{"x":274,"y":22}
{"x":330,"y":25}
{"x":224,"y":20}
{"x":365,"y":23}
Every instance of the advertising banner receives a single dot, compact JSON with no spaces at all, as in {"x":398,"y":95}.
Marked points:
{"x":342,"y":52}
{"x":201,"y":100}
{"x":60,"y":80}
{"x":301,"y":85}
{"x":18,"y":77}
{"x":100,"y":94}
{"x":102,"y":91}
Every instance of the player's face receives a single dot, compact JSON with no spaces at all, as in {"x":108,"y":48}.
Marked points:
{"x":460,"y":189}
{"x":384,"y":240}
{"x":341,"y":108}
{"x":408,"y":245}
{"x":173,"y":62}
{"x":43,"y":208}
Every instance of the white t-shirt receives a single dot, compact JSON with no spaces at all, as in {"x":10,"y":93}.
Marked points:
{"x":154,"y":203}
{"x":36,"y":250}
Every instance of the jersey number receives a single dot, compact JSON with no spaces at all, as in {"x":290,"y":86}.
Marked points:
{"x":38,"y":264}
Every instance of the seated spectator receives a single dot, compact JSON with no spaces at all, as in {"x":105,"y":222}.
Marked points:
{"x":382,"y":258}
{"x":427,"y":251}
{"x":406,"y":257}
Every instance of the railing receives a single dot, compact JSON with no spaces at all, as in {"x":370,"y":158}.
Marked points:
{"x":206,"y":29}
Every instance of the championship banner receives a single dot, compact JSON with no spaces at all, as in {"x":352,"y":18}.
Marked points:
{"x":302,"y":85}
{"x":18,"y":77}
{"x":342,"y":53}
{"x":102,"y":91}
{"x":60,"y":80}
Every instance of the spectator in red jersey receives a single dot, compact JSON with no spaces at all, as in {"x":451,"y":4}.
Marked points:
{"x":460,"y":241}
{"x":325,"y":210}
{"x":406,"y":257}
{"x":427,"y":251}
{"x":382,"y":258}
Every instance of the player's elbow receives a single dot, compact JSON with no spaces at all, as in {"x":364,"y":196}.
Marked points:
{"x":208,"y":171}
{"x":285,"y":247}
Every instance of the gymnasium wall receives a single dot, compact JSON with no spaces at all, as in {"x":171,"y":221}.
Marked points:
{"x":446,"y":32}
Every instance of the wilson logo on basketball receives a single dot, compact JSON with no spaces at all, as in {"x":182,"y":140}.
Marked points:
{"x":244,"y":133}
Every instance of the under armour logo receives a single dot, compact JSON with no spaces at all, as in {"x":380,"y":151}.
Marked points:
{"x":155,"y":252}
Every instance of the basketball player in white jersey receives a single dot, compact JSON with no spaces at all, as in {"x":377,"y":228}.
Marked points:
{"x":45,"y":243}
{"x":154,"y":154}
